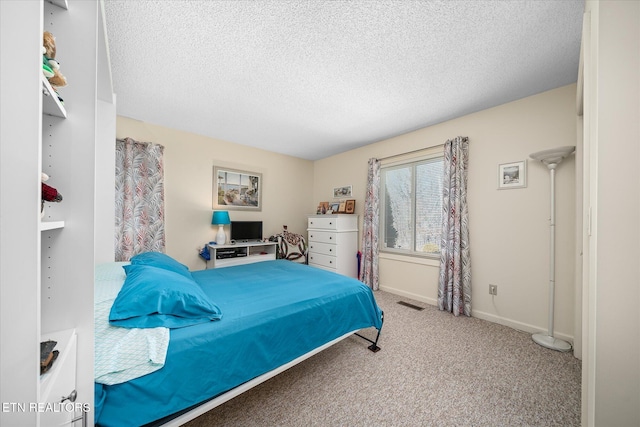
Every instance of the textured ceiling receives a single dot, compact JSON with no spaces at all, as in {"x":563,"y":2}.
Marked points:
{"x":315,"y":78}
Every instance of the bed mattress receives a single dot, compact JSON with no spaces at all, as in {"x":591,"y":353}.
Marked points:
{"x":272,"y":313}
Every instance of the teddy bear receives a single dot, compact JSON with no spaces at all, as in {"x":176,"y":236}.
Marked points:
{"x":51,"y":67}
{"x":49,"y":194}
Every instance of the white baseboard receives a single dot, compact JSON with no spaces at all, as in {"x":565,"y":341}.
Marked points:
{"x":411,"y":295}
{"x":519,"y":326}
{"x":524,"y":327}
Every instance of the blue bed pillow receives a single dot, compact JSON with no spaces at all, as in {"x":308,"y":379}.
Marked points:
{"x":160,"y":260}
{"x":152,"y":297}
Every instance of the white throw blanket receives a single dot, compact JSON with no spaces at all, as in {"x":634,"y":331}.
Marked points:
{"x":122,"y":354}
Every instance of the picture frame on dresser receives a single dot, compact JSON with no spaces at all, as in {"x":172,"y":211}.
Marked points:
{"x":350,"y":206}
{"x":323,"y":207}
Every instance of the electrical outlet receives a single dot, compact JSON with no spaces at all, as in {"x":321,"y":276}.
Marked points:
{"x":493,"y":289}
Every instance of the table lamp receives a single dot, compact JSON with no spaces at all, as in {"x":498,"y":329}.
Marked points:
{"x":220,"y":218}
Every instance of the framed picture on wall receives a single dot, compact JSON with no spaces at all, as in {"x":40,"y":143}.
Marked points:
{"x":344,"y":191}
{"x":512,"y":175}
{"x":236,"y":190}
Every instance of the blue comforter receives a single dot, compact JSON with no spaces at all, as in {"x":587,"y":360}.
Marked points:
{"x":272,"y":313}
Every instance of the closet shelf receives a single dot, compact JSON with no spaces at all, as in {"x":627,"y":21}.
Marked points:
{"x":60,"y":3}
{"x":51,"y":225}
{"x":51,"y":105}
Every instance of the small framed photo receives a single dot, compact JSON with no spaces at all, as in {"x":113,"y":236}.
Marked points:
{"x":323,"y":207}
{"x":335,"y":207}
{"x":350,"y":206}
{"x":340,"y":192}
{"x":512,"y":175}
{"x":342,"y":208}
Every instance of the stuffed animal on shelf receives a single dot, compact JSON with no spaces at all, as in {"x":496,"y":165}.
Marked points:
{"x":51,"y":67}
{"x":46,"y":69}
{"x":49,"y":194}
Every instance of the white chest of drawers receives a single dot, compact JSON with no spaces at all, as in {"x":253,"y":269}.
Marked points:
{"x":333,"y":243}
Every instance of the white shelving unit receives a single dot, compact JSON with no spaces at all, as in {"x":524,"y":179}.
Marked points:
{"x":248,"y":252}
{"x":47,"y":265}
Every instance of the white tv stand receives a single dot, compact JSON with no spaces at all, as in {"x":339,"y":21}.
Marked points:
{"x":245,"y":253}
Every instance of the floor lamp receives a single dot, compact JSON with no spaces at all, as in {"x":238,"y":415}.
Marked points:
{"x":552,"y":158}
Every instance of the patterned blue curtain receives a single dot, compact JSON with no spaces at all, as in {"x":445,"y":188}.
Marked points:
{"x":370,"y":228}
{"x":454,"y":287}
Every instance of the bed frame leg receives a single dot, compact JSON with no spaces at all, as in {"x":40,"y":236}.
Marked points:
{"x":374,"y":344}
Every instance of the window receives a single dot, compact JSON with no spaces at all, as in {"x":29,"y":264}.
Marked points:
{"x":411,"y":206}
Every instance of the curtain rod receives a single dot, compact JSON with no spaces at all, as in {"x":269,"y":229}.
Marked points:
{"x":407,"y":153}
{"x":464,"y":138}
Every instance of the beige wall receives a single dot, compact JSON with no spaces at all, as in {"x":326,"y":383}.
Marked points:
{"x":509,"y":229}
{"x":189,"y":161}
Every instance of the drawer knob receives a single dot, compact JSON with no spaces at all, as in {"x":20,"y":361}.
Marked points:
{"x":330,"y":250}
{"x":71,"y":398}
{"x":330,"y":237}
{"x":330,"y":223}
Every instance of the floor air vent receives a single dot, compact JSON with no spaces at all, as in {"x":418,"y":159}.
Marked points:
{"x":406,"y":304}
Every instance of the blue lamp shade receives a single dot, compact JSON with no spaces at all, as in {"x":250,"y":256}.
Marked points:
{"x":220,"y":218}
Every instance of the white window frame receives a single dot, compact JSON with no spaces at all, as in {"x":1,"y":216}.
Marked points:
{"x":429,"y":155}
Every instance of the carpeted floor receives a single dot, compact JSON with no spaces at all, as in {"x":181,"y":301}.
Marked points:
{"x":434,"y":369}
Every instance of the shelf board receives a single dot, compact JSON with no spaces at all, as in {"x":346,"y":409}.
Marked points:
{"x":51,"y":105}
{"x":51,"y":225}
{"x":249,"y":259}
{"x":60,"y":3}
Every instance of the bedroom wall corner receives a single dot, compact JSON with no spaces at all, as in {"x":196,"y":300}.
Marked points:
{"x":188,"y":161}
{"x":509,"y":228}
